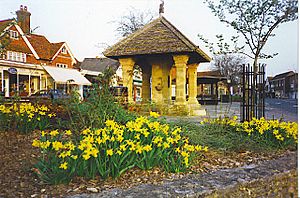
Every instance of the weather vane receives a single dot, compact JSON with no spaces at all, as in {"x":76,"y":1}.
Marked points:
{"x":161,"y":7}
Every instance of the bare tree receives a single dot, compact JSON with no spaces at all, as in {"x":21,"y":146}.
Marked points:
{"x":227,"y":59}
{"x":134,"y":20}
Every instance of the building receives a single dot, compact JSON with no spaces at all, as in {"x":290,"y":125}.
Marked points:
{"x":212,"y":87}
{"x":92,"y":67}
{"x":269,"y":87}
{"x":29,"y":62}
{"x":284,"y":85}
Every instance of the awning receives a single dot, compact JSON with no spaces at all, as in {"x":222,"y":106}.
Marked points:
{"x":66,"y":76}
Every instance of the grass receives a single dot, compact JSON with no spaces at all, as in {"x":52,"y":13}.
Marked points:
{"x":226,"y":139}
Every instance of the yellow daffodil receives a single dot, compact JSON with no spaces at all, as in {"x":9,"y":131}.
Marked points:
{"x":109,"y":152}
{"x":64,"y":165}
{"x":154,"y":114}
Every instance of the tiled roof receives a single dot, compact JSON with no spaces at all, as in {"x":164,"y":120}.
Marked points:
{"x":40,"y":43}
{"x":99,"y":64}
{"x":157,"y":37}
{"x":5,"y":23}
{"x":43,"y":47}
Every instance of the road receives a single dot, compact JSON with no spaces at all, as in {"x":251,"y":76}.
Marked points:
{"x":285,"y":108}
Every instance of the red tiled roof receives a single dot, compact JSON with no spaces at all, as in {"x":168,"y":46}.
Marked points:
{"x":40,"y":43}
{"x":43,"y":47}
{"x":4,"y":23}
{"x":55,"y":47}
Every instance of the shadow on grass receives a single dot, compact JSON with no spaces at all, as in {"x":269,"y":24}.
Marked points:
{"x":226,"y":138}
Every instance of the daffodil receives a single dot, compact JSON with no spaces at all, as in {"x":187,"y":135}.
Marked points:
{"x":64,"y":165}
{"x":109,"y":152}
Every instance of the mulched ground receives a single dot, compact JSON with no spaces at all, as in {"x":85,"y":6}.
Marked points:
{"x":17,"y":178}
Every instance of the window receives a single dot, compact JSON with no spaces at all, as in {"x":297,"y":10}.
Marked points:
{"x":14,"y":34}
{"x":61,"y":65}
{"x":64,"y":50}
{"x":16,"y":56}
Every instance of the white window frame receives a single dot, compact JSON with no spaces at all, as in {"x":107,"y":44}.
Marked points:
{"x":14,"y":34}
{"x":16,"y":56}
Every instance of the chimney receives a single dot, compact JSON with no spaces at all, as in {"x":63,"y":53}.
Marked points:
{"x":23,"y":18}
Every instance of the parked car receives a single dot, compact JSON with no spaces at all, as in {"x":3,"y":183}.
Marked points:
{"x":49,"y":94}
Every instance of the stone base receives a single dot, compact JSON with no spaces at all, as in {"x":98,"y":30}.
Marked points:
{"x":178,"y":110}
{"x":196,"y":110}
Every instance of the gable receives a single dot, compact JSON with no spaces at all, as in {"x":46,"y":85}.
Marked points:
{"x":18,"y":45}
{"x":68,"y":53}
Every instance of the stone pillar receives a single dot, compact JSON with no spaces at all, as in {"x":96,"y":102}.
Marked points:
{"x":157,"y":83}
{"x":192,"y":89}
{"x":165,"y":84}
{"x":180,"y":64}
{"x":146,"y":74}
{"x":127,"y":74}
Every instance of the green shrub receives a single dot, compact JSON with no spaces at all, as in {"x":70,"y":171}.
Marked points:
{"x":98,"y":107}
{"x":93,"y":112}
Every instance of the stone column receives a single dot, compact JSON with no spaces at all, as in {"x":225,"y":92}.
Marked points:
{"x":192,"y":89}
{"x":180,"y":64}
{"x":127,"y":74}
{"x":146,"y":74}
{"x":166,"y":84}
{"x":157,"y":83}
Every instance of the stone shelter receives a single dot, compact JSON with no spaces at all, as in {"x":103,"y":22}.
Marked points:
{"x":158,"y":49}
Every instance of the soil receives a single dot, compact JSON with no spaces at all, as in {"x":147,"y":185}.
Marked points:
{"x":17,"y":177}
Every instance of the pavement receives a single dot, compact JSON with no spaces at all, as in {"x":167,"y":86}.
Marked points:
{"x":287,"y":109}
{"x":284,"y":109}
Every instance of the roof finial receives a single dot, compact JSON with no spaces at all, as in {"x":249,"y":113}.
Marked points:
{"x":161,"y":8}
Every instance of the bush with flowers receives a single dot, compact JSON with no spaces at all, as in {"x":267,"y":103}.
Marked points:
{"x":112,"y":150}
{"x":25,"y":117}
{"x":275,"y":133}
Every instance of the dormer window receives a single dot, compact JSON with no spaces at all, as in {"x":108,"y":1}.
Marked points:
{"x":64,"y":50}
{"x":14,"y":34}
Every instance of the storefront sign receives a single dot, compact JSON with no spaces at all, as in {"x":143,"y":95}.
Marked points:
{"x":12,"y":70}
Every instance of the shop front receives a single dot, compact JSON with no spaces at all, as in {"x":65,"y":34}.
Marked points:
{"x":20,"y":79}
{"x":26,"y":79}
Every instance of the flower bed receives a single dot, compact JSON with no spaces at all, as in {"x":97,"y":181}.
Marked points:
{"x":25,"y":117}
{"x":272,"y":132}
{"x":112,"y":150}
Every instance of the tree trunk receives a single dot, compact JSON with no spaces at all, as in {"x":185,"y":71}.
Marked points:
{"x":254,"y":87}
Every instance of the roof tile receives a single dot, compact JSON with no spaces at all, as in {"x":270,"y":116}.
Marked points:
{"x":157,"y":37}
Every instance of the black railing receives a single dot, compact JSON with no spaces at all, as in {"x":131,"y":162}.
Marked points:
{"x":253,"y":101}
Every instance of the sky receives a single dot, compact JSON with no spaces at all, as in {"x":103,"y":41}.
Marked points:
{"x":87,"y":26}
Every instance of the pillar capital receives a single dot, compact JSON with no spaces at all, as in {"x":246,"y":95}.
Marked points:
{"x":127,"y":62}
{"x":180,"y":59}
{"x":193,"y":66}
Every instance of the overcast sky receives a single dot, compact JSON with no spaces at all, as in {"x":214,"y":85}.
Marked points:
{"x":84,"y":24}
